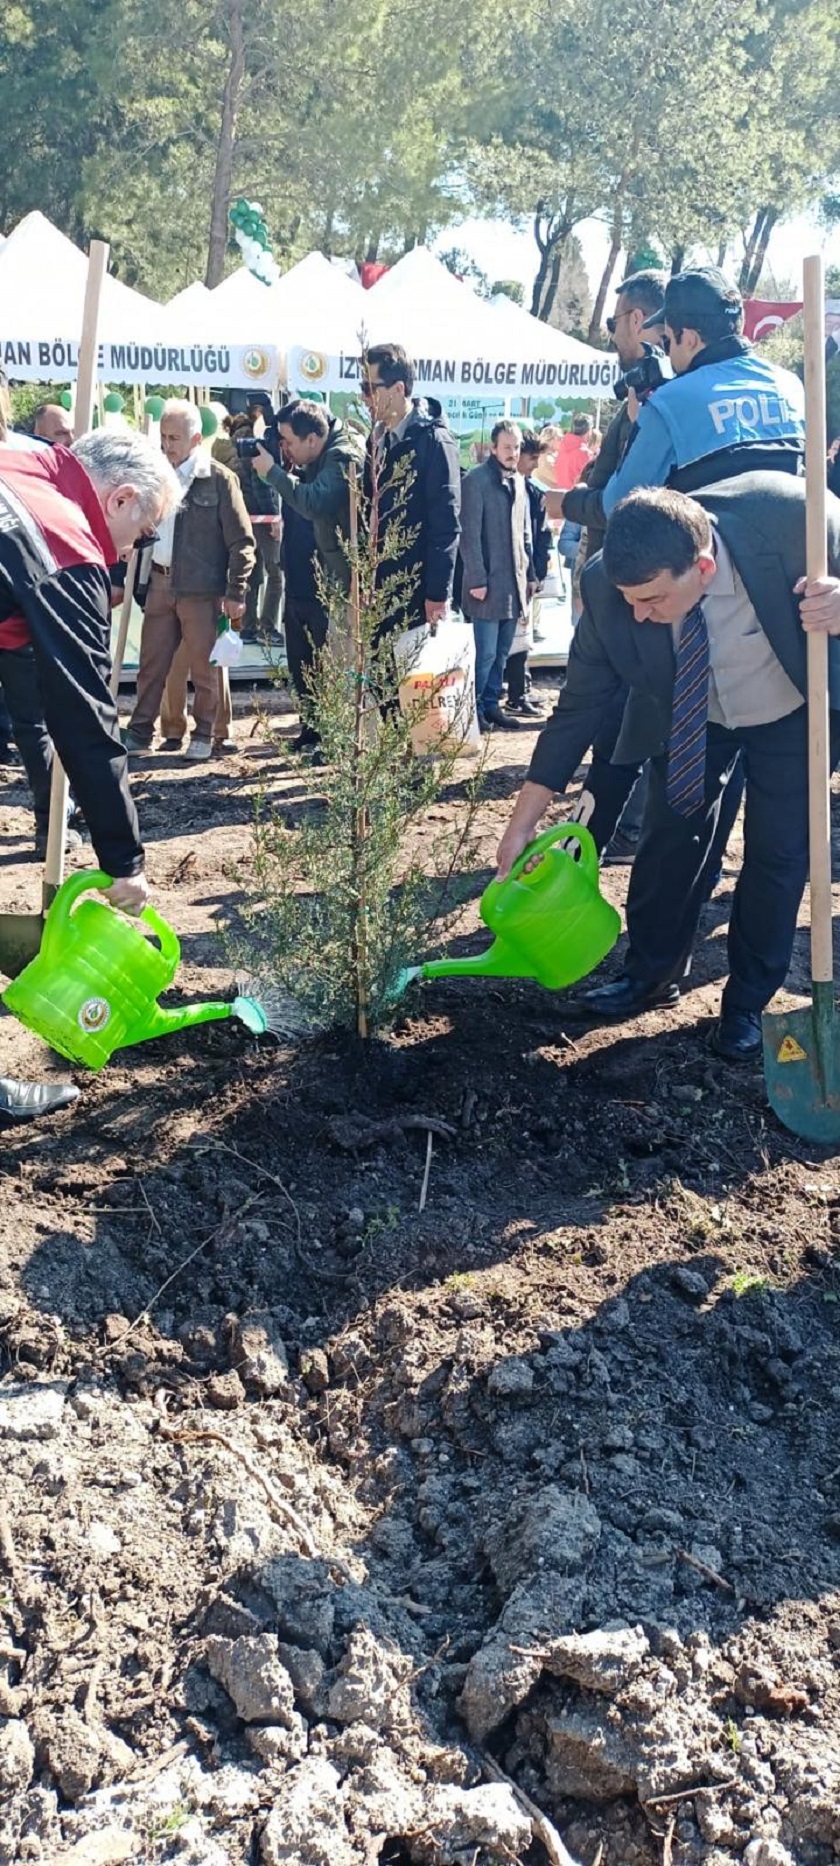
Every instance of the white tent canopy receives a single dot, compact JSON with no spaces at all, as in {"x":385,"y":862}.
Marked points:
{"x":42,"y":290}
{"x":461,"y":344}
{"x":312,"y":305}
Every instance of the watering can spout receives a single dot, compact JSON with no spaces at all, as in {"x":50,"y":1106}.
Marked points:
{"x":499,"y":961}
{"x":157,"y":1022}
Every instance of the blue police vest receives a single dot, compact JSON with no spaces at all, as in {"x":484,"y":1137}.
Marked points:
{"x":729,"y":404}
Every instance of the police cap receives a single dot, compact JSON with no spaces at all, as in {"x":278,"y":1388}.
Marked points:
{"x":700,"y":292}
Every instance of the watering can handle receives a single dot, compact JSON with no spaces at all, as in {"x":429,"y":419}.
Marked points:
{"x":559,"y":832}
{"x":90,"y":880}
{"x":65,"y":900}
{"x":170,"y":945}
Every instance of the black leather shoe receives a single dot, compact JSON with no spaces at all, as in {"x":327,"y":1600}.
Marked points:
{"x":25,"y":1101}
{"x":626,"y":997}
{"x":737,"y":1038}
{"x":495,"y":717}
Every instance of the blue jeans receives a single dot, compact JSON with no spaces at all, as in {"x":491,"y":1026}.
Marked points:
{"x":492,"y":647}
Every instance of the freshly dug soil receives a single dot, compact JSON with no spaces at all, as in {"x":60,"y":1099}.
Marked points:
{"x":320,"y":1508}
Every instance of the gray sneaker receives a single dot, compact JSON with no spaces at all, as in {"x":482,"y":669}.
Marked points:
{"x":198,"y":750}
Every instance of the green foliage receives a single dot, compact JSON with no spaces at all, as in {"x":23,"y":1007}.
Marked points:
{"x":508,"y":288}
{"x":368,"y":127}
{"x":749,"y":1283}
{"x":27,"y":397}
{"x":458,"y":262}
{"x":345,"y":898}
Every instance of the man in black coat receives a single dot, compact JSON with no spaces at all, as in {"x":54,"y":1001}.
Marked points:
{"x":413,"y":483}
{"x":717,"y":578}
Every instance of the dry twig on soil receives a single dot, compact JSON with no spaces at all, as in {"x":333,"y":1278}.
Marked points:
{"x":424,"y":1189}
{"x":352,"y":1131}
{"x":109,"y":1346}
{"x":710,"y":1574}
{"x":543,"y":1828}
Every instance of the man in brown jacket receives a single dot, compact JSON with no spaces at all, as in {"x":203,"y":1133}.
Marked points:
{"x":201,"y":564}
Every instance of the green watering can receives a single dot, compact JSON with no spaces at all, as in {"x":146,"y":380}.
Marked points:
{"x":550,"y":924}
{"x":94,"y":985}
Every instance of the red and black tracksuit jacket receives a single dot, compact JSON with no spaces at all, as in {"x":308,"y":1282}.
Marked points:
{"x":55,"y":592}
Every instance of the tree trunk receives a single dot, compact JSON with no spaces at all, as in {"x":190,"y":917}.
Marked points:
{"x":616,"y":243}
{"x":552,"y":233}
{"x":677,"y":259}
{"x":721,"y":256}
{"x":223,"y":174}
{"x":756,"y":249}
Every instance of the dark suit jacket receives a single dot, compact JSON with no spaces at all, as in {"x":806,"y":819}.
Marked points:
{"x":761,"y":519}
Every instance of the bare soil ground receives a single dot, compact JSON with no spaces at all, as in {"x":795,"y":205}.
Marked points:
{"x":319,"y":1510}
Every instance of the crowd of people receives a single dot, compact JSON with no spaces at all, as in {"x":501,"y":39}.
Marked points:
{"x":686,"y":675}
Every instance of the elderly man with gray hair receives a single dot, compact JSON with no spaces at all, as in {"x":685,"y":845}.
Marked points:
{"x":202,"y":559}
{"x":65,"y":518}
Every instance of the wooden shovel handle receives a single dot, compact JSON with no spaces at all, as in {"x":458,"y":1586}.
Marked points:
{"x":85,"y":383}
{"x":819,"y":763}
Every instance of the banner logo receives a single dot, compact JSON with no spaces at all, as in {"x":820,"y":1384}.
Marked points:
{"x":255,"y":363}
{"x":313,"y":366}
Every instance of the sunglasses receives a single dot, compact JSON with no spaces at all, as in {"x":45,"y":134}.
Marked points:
{"x":369,"y":389}
{"x":612,"y":321}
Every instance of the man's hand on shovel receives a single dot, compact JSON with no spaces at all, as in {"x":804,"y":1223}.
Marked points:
{"x":820,"y":604}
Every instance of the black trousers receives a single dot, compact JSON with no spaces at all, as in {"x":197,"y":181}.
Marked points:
{"x":516,"y":672}
{"x":305,"y":624}
{"x":19,"y":682}
{"x":607,"y":789}
{"x":267,"y":567}
{"x":678,"y":857}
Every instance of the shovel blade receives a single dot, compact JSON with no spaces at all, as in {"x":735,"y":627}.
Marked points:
{"x":802,"y":1068}
{"x":20,"y":941}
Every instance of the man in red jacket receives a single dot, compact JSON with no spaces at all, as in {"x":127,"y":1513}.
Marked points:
{"x":64,"y":517}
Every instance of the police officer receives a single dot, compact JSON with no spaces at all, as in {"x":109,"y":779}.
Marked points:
{"x":726,"y":411}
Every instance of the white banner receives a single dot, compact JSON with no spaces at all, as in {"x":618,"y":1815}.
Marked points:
{"x":239,"y":366}
{"x":473,"y":376}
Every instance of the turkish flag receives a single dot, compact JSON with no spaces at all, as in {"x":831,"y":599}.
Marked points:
{"x":761,"y":317}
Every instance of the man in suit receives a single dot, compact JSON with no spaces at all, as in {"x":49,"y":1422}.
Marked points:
{"x":496,"y":548}
{"x":694,"y":606}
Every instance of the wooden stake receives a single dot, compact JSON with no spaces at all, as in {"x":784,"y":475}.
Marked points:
{"x":360,"y":823}
{"x":125,"y":620}
{"x":83,"y":418}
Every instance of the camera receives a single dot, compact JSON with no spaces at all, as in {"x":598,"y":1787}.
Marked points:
{"x":247,"y":445}
{"x":644,"y":376}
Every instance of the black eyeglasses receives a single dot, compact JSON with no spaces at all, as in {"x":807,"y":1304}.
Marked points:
{"x":370,"y":388}
{"x":612,"y":321}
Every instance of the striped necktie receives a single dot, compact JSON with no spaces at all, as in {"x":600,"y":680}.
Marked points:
{"x":686,"y":786}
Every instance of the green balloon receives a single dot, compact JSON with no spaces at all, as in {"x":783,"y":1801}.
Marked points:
{"x":154,"y":406}
{"x":66,"y":399}
{"x":209,"y":422}
{"x":113,"y":403}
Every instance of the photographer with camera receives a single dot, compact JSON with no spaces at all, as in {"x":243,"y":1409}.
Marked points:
{"x":639,"y":299}
{"x":724,"y":411}
{"x":321,"y":450}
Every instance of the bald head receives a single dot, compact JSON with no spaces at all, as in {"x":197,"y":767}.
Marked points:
{"x":51,"y":422}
